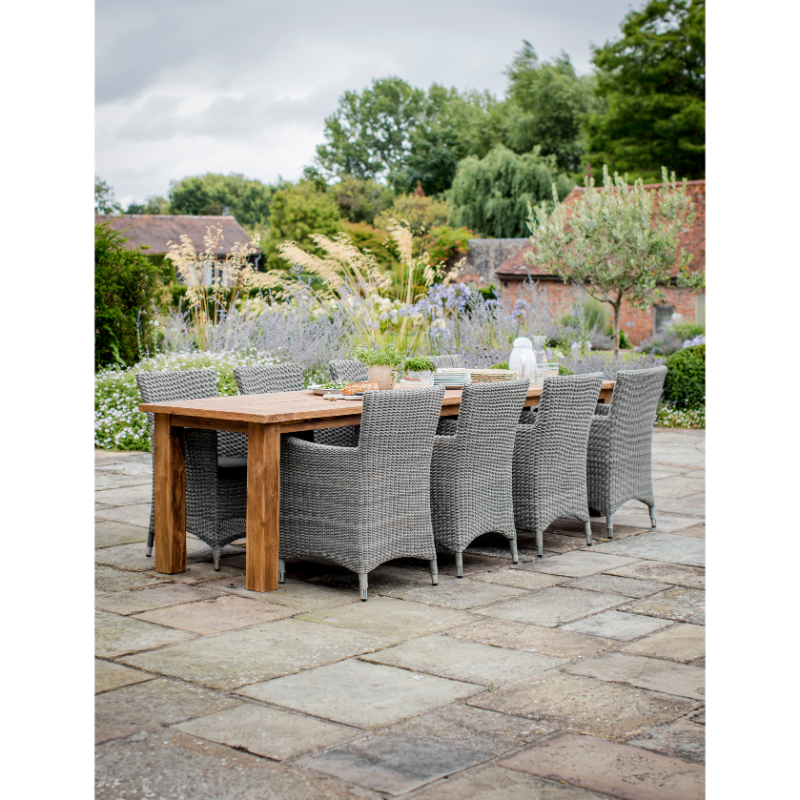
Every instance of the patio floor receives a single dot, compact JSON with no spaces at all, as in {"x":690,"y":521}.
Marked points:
{"x":574,"y":677}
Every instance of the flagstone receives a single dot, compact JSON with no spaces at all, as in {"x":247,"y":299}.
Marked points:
{"x":158,"y":596}
{"x":678,"y":603}
{"x":137,"y":514}
{"x":681,"y":642}
{"x":121,"y":481}
{"x":637,"y":516}
{"x":129,"y":495}
{"x":203,"y":572}
{"x":578,"y":564}
{"x":630,"y":587}
{"x":109,"y":579}
{"x":446,"y":563}
{"x":552,"y":607}
{"x":108,"y":675}
{"x":109,"y":534}
{"x":266,"y":732}
{"x":695,"y":505}
{"x":390,"y":618}
{"x":692,"y":577}
{"x":646,"y":673}
{"x":423,"y":749}
{"x":126,"y":468}
{"x":356,"y":693}
{"x":584,"y":705}
{"x":698,"y":531}
{"x":147,"y":706}
{"x":681,"y":739}
{"x":301,"y":595}
{"x":521,"y":579}
{"x":249,"y":655}
{"x":569,"y":526}
{"x":116,"y":635}
{"x":617,"y":625}
{"x":133,"y":556}
{"x":659,"y":547}
{"x":622,"y":771}
{"x":677,"y":487}
{"x":464,"y":660}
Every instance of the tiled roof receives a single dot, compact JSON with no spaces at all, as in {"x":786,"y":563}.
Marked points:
{"x":693,"y":240}
{"x":156,"y":230}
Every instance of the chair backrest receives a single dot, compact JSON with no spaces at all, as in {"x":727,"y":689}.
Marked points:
{"x":633,"y":406}
{"x":344,"y":371}
{"x":269,"y":378}
{"x":566,"y":408}
{"x":449,"y":360}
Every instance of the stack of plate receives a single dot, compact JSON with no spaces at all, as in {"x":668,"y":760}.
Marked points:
{"x":489,"y":375}
{"x":451,"y":377}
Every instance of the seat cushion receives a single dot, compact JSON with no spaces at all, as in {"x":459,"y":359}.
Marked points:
{"x":231,"y":462}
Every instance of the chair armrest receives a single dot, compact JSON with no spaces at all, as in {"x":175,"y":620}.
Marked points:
{"x":232,"y":445}
{"x":600,"y":434}
{"x":301,"y":452}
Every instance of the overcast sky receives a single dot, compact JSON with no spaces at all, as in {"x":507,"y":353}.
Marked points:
{"x":185,"y":87}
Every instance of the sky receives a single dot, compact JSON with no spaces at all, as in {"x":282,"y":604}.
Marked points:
{"x":185,"y":87}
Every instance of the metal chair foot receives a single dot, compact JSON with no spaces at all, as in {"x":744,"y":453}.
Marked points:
{"x":459,"y":565}
{"x":512,"y":543}
{"x":362,"y":585}
{"x":281,"y":571}
{"x":217,"y":553}
{"x":587,"y":527}
{"x":610,"y":526}
{"x":652,"y":517}
{"x":434,"y":572}
{"x":539,"y":544}
{"x":149,"y":551}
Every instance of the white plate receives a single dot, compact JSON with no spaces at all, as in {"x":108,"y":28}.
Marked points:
{"x":317,"y":390}
{"x":347,"y":396}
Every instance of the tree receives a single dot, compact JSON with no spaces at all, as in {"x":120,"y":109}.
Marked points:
{"x":492,"y":195}
{"x":104,"y":202}
{"x":360,"y":199}
{"x":619,"y":242}
{"x":419,"y":211}
{"x":653,"y":82}
{"x":213,"y":194}
{"x":155,"y":204}
{"x":553,"y":102}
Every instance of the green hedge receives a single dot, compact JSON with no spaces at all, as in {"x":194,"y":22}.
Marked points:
{"x":685,"y":386}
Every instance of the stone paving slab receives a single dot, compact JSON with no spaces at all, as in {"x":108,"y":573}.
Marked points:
{"x":679,"y":603}
{"x":109,"y":534}
{"x":109,"y":579}
{"x":300,"y":595}
{"x":464,"y":660}
{"x":698,"y":531}
{"x":699,"y":717}
{"x":133,"y":557}
{"x":578,"y":564}
{"x":520,"y":578}
{"x":692,"y":577}
{"x":138,"y":514}
{"x":236,"y":658}
{"x":584,"y":705}
{"x":120,"y":481}
{"x":617,"y":625}
{"x":423,"y":749}
{"x":681,"y":739}
{"x":646,"y":673}
{"x":681,"y":642}
{"x":102,"y":506}
{"x":569,"y":526}
{"x":677,"y":487}
{"x":203,"y":572}
{"x":125,"y":468}
{"x":446,"y":563}
{"x":694,"y":505}
{"x":659,"y":547}
{"x":151,"y":705}
{"x":390,"y":619}
{"x":108,"y":675}
{"x":624,"y":772}
{"x":127,"y":496}
{"x":630,"y":587}
{"x":356,"y":693}
{"x":554,"y":642}
{"x":171,"y":765}
{"x":552,"y":607}
{"x":158,"y":596}
{"x":217,"y":615}
{"x":267,"y":732}
{"x":495,"y":783}
{"x":116,"y":636}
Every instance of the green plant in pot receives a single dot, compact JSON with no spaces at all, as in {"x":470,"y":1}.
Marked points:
{"x":382,"y":363}
{"x":419,"y":368}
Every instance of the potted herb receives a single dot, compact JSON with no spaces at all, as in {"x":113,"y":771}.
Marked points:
{"x":419,"y":368}
{"x":382,"y":363}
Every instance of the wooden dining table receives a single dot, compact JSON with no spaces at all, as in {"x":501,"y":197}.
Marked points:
{"x":264,"y":418}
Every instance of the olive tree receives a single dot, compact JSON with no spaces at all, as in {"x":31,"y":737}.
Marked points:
{"x":619,"y":242}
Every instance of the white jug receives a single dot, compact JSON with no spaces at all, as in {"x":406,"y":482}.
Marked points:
{"x":522,"y":358}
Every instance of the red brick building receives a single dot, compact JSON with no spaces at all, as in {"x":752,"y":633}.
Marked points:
{"x":503,"y":261}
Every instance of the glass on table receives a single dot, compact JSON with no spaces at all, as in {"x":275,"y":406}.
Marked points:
{"x":552,"y":369}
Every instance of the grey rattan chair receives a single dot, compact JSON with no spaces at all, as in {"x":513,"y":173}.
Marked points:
{"x":362,"y":506}
{"x":449,"y":360}
{"x":216,"y":463}
{"x":345,"y":371}
{"x":619,"y":463}
{"x":549,"y":468}
{"x":471,"y":469}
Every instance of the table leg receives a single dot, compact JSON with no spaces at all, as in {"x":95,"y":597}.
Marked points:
{"x":263,"y":506}
{"x":605,"y":395}
{"x":170,"y":497}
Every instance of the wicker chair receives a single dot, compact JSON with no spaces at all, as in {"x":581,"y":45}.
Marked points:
{"x":471,"y":470}
{"x":362,"y":506}
{"x":619,"y":459}
{"x":450,"y":360}
{"x":216,"y":463}
{"x":549,"y":468}
{"x":267,"y":379}
{"x":344,"y":371}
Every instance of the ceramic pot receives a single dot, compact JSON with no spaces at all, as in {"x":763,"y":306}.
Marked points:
{"x":382,"y":375}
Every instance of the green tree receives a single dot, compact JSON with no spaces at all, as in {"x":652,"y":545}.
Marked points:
{"x":653,"y":81}
{"x":296,"y":212}
{"x":153,"y":205}
{"x":419,"y":211}
{"x":125,"y":285}
{"x":552,"y":102}
{"x":620,"y":242}
{"x":491,"y":195}
{"x":104,"y":202}
{"x":213,"y":194}
{"x":360,"y":199}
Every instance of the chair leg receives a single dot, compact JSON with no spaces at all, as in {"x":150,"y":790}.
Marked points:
{"x":434,"y":572}
{"x":149,"y":550}
{"x":652,"y":510}
{"x":587,"y":527}
{"x":216,"y":552}
{"x":539,"y":544}
{"x":459,"y":565}
{"x":609,"y":526}
{"x":512,"y":543}
{"x":281,"y":571}
{"x":362,"y":585}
